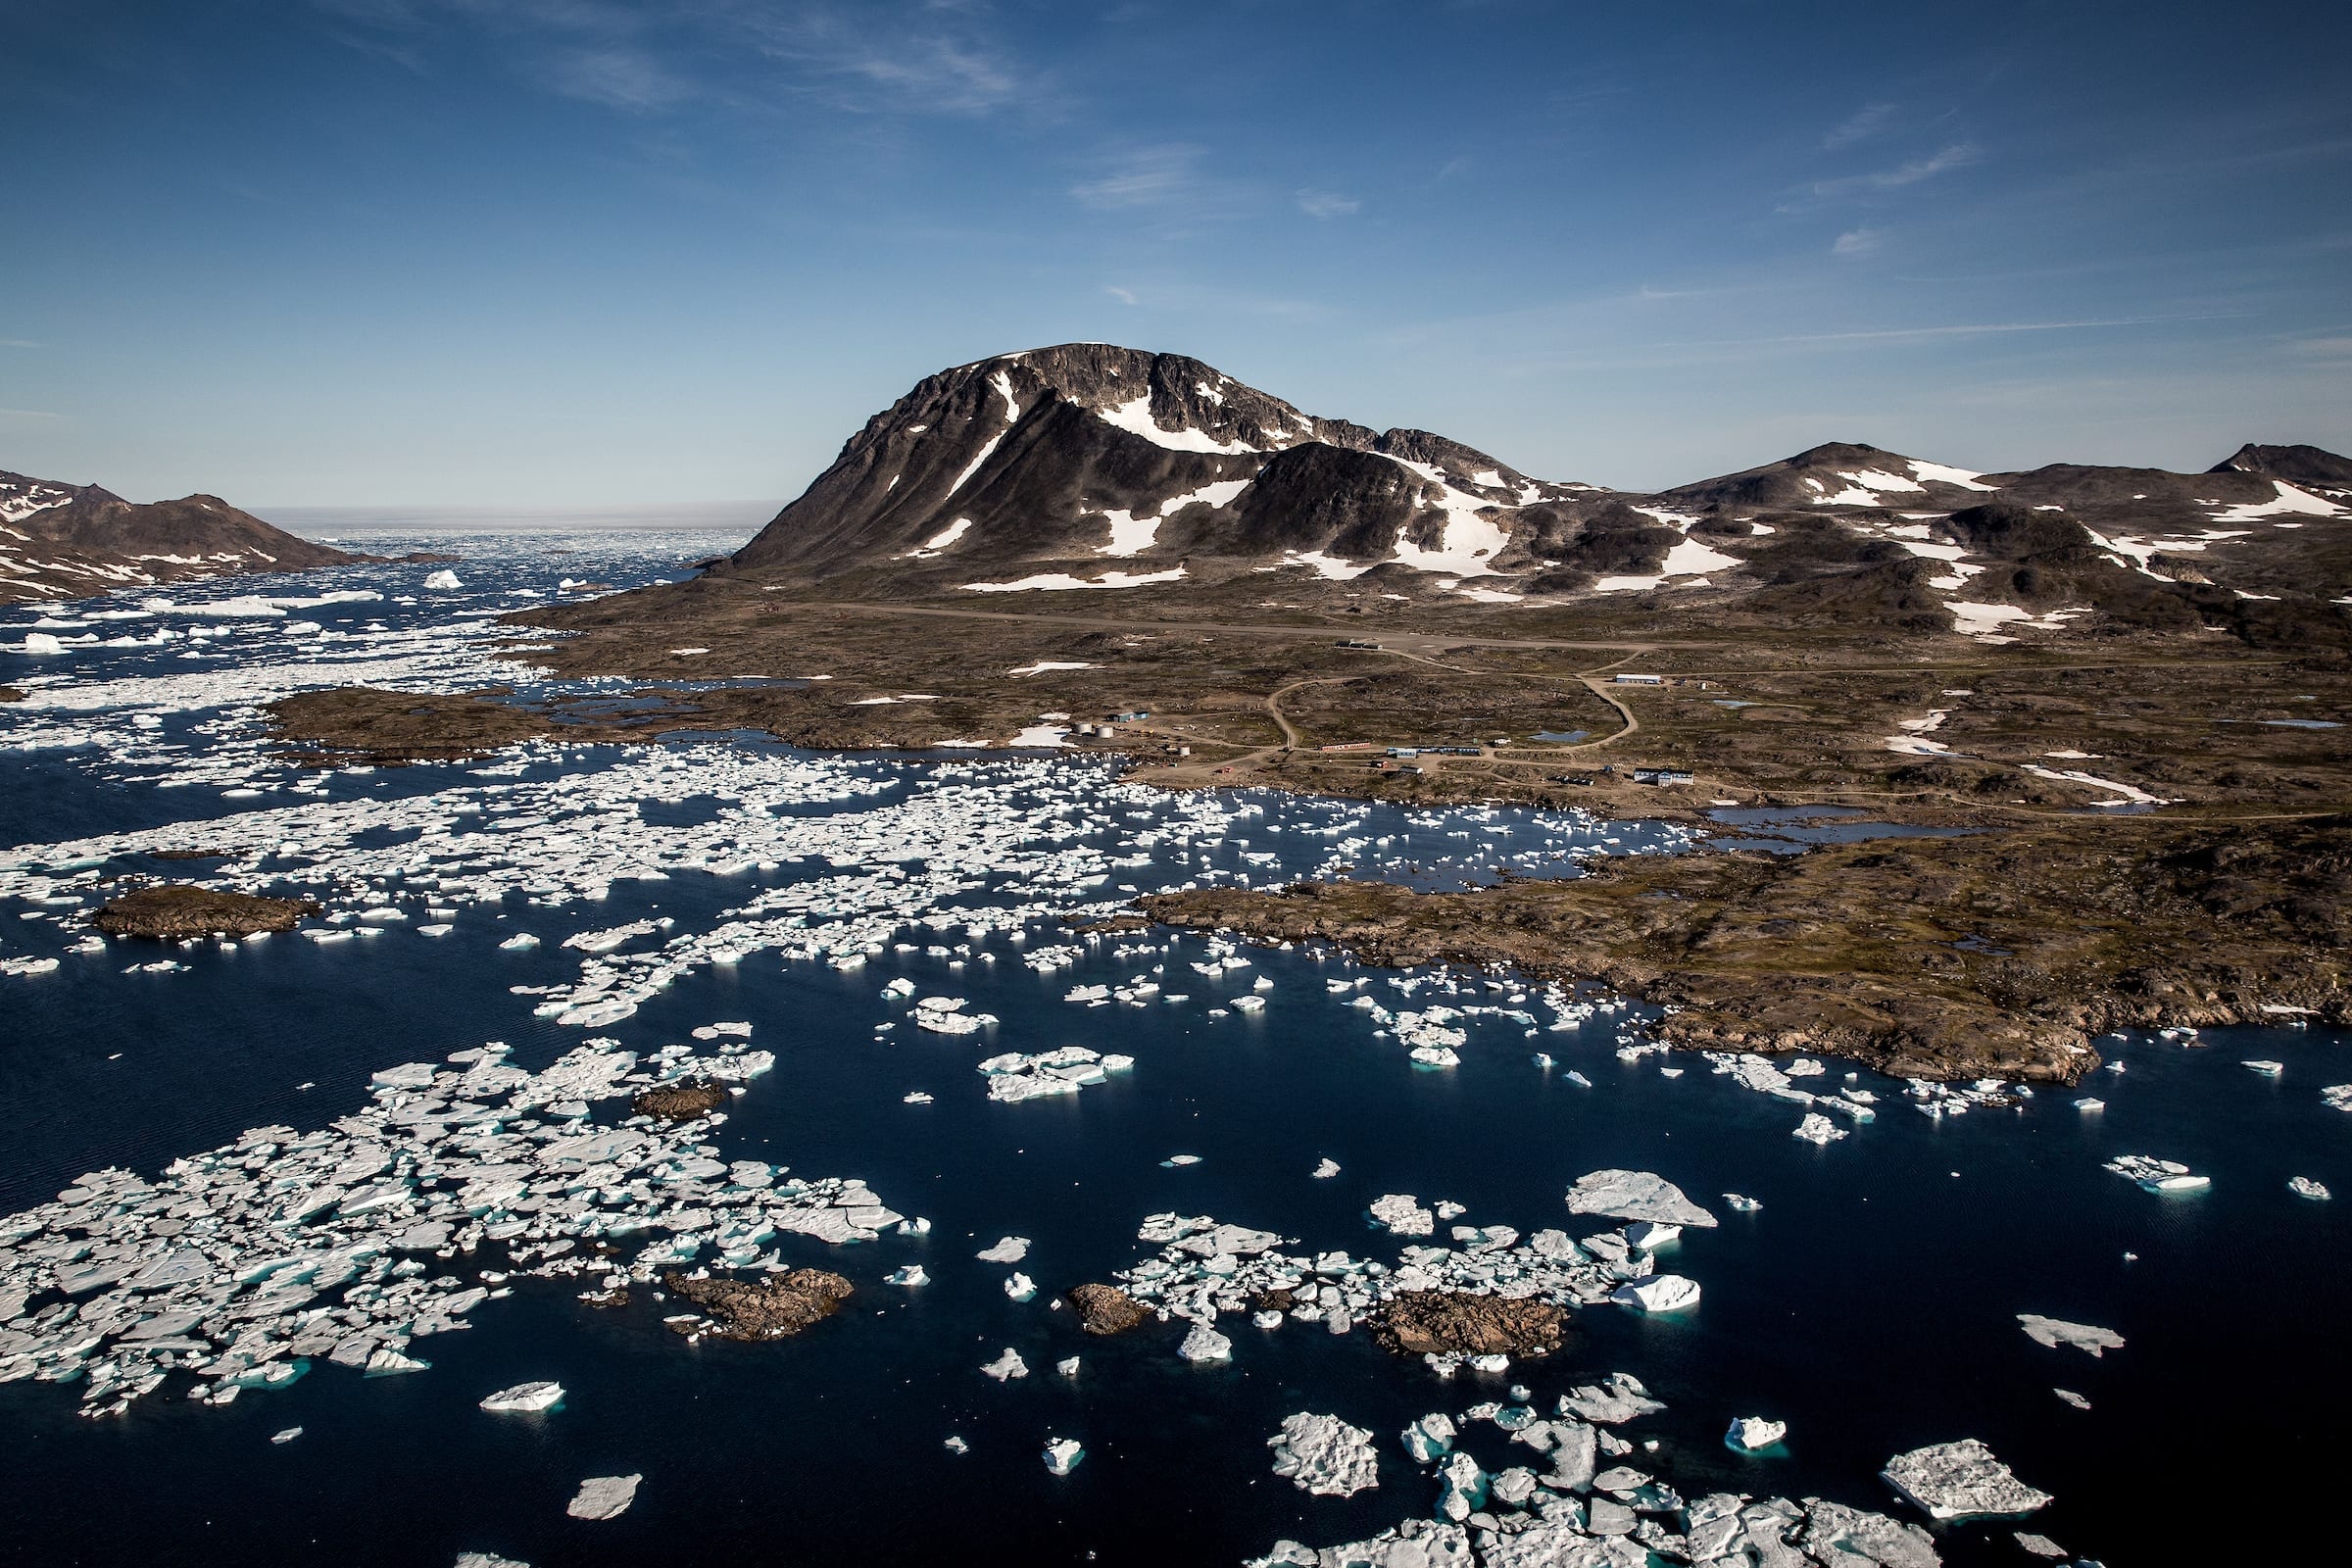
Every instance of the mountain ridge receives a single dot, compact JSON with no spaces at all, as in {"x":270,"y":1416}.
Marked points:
{"x":1094,"y":467}
{"x":70,"y":541}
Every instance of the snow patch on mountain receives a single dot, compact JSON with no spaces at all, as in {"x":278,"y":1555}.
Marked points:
{"x":1135,"y":417}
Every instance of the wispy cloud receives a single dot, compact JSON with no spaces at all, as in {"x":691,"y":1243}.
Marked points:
{"x":925,"y":59}
{"x":1324,"y":203}
{"x":1861,"y":125}
{"x":617,"y":77}
{"x":928,"y":56}
{"x":1169,"y":175}
{"x":1857,"y":242}
{"x":27,"y":414}
{"x":1984,"y":329}
{"x":20,"y":343}
{"x":1123,"y":296}
{"x":1959,"y":154}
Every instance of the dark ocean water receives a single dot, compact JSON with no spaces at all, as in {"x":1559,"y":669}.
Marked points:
{"x":1871,"y":1302}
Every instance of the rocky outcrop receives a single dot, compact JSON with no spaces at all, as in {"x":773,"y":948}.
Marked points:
{"x":174,"y":911}
{"x":1106,"y":1309}
{"x":679,"y":1102}
{"x":773,"y":1308}
{"x":70,"y":541}
{"x":1442,"y":1322}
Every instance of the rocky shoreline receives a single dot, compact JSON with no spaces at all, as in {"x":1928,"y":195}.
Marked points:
{"x":1939,"y":959}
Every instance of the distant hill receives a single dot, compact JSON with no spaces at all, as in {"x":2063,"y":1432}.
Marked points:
{"x":1090,"y":467}
{"x":63,"y":541}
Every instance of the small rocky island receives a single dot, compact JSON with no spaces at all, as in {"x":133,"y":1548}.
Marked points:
{"x":175,"y":910}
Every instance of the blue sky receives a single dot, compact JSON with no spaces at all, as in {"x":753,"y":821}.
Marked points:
{"x":577,"y":252}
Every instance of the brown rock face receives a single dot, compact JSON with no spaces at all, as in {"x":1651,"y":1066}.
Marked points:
{"x":1106,"y":1309}
{"x":183,"y":912}
{"x":1427,"y":1322}
{"x":679,"y":1102}
{"x":773,"y":1308}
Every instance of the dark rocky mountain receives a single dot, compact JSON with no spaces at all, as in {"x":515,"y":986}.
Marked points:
{"x":62,"y":541}
{"x":1099,"y":459}
{"x":2308,"y":466}
{"x":1094,"y":467}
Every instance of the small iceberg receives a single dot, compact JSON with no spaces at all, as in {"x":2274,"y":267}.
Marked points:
{"x":1750,"y":1434}
{"x":525,"y":1396}
{"x":1062,"y":1455}
{"x":604,"y":1497}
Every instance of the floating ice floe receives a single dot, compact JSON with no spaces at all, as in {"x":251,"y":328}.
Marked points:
{"x":1062,"y":1455}
{"x":1401,"y":1214}
{"x":443,"y":581}
{"x":1326,"y":1170}
{"x":2055,"y":1332}
{"x":604,"y":1497}
{"x":1325,"y":1455}
{"x":1013,"y":1077}
{"x":1574,"y":1515}
{"x":1634,"y":1195}
{"x":1739,"y":1204}
{"x":2268,"y":1069}
{"x":287,"y":1434}
{"x":1021,"y":1288}
{"x":322,"y":1245}
{"x":1663,"y":1293}
{"x":2337,"y":1096}
{"x":1960,"y":1480}
{"x":525,"y":1397}
{"x":1011,"y":1250}
{"x":1204,"y":1344}
{"x":2305,"y":1187}
{"x":1008,"y":1366}
{"x":910,"y":1275}
{"x":1750,"y":1433}
{"x":2158,"y":1175}
{"x":1818,"y":1129}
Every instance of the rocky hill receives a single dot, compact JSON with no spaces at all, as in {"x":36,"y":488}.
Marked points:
{"x":1089,"y":467}
{"x":63,"y":541}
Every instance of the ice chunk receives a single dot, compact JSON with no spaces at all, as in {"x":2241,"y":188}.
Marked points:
{"x":1818,"y":1129}
{"x":1021,"y":1288}
{"x":1327,"y":1169}
{"x":519,"y":942}
{"x":1008,"y":1366}
{"x":2158,"y":1175}
{"x":1465,"y":1489}
{"x":1011,"y":1250}
{"x":604,"y":1497}
{"x":1960,"y":1480}
{"x":1740,"y":1205}
{"x":2055,"y":1332}
{"x":1401,"y":1214}
{"x":1753,"y":1432}
{"x":2305,"y":1187}
{"x":955,"y":1445}
{"x":1325,"y":1455}
{"x":1068,"y":1368}
{"x":1660,"y":1293}
{"x":1431,"y":1437}
{"x":1204,"y":1344}
{"x":526,"y":1396}
{"x":1649,"y":1236}
{"x":1634,"y":1195}
{"x":443,"y":581}
{"x":911,"y":1274}
{"x":287,"y":1436}
{"x":387,"y":1362}
{"x":1062,"y":1455}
